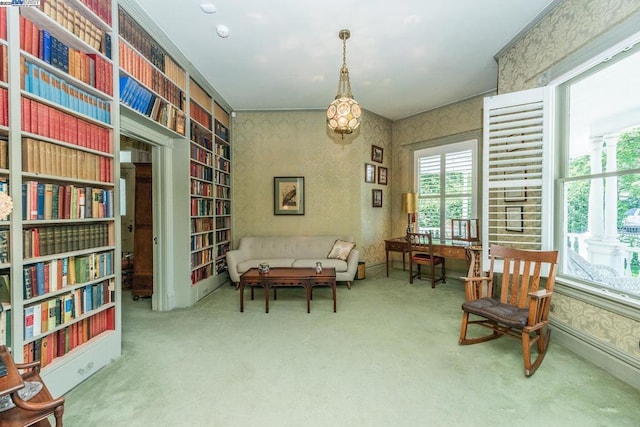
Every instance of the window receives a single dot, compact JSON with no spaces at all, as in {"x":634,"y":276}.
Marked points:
{"x":599,"y":175}
{"x":446,"y":178}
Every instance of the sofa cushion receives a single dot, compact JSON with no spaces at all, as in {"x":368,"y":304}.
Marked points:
{"x":339,"y":265}
{"x":341,"y":250}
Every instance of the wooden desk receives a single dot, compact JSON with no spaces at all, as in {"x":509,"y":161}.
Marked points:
{"x":34,"y":411}
{"x":446,"y":249}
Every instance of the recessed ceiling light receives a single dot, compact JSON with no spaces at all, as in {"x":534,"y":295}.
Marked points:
{"x":208,"y":7}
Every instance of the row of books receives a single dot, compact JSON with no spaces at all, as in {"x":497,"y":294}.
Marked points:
{"x":4,"y":246}
{"x":201,"y":207}
{"x":199,"y":225}
{"x":223,"y":222}
{"x":44,"y":120}
{"x":102,"y":8}
{"x":76,"y":23}
{"x":3,"y":23}
{"x":222,"y":178}
{"x":145,"y":102}
{"x":221,"y":131}
{"x":138,"y":67}
{"x":137,"y":37}
{"x":199,"y":188}
{"x":200,"y":115}
{"x":49,"y":314}
{"x":44,"y":277}
{"x":4,"y":107}
{"x":201,"y":155}
{"x":4,"y":62}
{"x":224,"y":165}
{"x":223,"y":249}
{"x":201,"y":137}
{"x":201,"y":257}
{"x":201,"y":172}
{"x":45,"y":241}
{"x":62,"y":341}
{"x":40,"y":82}
{"x":201,"y":241}
{"x":49,"y":201}
{"x":201,"y":273}
{"x":223,"y":150}
{"x":52,"y":159}
{"x":223,"y":207}
{"x":223,"y":192}
{"x":223,"y":236}
{"x":200,"y":96}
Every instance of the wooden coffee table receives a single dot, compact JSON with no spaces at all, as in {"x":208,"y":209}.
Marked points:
{"x":306,"y":278}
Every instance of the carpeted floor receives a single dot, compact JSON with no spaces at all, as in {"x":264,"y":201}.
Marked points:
{"x":388,"y":357}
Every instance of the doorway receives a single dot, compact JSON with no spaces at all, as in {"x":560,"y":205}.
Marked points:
{"x":137,"y":236}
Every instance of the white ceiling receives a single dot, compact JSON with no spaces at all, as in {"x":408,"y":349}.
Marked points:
{"x":404,"y":57}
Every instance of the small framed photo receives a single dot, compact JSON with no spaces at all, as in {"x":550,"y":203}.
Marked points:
{"x":376,"y":154}
{"x":514,"y":218}
{"x":369,"y":173}
{"x":288,"y":195}
{"x":376,"y":196}
{"x":382,"y":175}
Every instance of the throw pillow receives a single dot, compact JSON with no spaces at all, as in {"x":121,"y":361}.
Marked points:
{"x":341,"y":250}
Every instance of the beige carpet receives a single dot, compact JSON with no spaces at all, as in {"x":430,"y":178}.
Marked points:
{"x":388,"y":357}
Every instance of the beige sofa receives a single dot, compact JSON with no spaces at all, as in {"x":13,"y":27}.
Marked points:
{"x":291,"y":251}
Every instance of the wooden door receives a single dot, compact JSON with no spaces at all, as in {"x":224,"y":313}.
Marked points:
{"x":143,"y":234}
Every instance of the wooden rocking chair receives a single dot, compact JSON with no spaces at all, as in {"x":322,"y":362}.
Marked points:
{"x":522,"y":308}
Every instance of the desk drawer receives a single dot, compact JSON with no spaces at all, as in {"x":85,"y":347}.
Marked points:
{"x":453,"y":252}
{"x":397,"y":246}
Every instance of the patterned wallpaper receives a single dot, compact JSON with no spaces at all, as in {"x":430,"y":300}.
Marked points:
{"x":297,"y":143}
{"x":569,"y":27}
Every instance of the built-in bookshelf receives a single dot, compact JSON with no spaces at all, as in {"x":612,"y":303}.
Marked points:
{"x":201,"y":169}
{"x":222,"y":179}
{"x":57,"y":162}
{"x":151,"y":82}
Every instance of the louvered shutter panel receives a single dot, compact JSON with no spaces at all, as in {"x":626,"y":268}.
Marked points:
{"x":517,"y":205}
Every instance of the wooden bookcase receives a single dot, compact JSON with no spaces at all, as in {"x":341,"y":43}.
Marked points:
{"x":61,"y":138}
{"x":223,"y":187}
{"x":201,"y":187}
{"x":151,"y":82}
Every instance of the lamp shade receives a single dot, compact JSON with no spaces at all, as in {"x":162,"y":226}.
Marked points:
{"x":409,"y":202}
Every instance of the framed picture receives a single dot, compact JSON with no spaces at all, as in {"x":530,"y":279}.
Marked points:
{"x":514,"y":218}
{"x":377,"y":198}
{"x":288,"y":195}
{"x":369,"y":172}
{"x":376,"y":154}
{"x":382,"y":175}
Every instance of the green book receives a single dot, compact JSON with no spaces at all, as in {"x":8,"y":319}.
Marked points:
{"x":5,"y":289}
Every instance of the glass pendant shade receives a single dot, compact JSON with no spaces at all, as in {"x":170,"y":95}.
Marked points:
{"x":344,"y":113}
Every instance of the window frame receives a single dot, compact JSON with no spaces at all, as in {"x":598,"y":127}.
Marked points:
{"x":469,"y":141}
{"x":590,"y":292}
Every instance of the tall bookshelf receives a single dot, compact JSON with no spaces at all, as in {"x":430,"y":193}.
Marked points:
{"x":151,"y":83}
{"x":5,"y":272}
{"x":201,"y":186}
{"x":222,"y":187}
{"x":61,"y":166}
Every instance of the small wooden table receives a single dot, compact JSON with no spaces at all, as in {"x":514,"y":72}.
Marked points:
{"x":306,"y":278}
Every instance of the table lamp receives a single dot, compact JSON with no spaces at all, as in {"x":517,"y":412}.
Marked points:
{"x":409,"y":206}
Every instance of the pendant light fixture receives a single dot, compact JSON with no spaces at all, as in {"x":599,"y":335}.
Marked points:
{"x":343,"y":114}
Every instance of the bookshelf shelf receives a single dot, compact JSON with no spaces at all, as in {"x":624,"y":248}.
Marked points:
{"x":58,"y":86}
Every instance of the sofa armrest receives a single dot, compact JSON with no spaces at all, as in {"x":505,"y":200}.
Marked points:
{"x":234,"y":257}
{"x":352,"y":263}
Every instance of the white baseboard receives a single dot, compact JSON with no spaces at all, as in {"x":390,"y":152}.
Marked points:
{"x":609,"y":359}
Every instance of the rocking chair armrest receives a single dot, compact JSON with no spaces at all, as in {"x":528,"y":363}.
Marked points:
{"x":473,"y":287}
{"x":539,"y":305}
{"x":31,"y":366}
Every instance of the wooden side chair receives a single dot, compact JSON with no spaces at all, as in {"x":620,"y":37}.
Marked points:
{"x":522,"y":308}
{"x":421,"y":254}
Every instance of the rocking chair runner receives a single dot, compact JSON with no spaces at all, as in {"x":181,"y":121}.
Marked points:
{"x":522,"y":309}
{"x":421,"y":254}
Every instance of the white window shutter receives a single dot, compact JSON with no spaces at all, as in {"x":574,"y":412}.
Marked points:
{"x":517,"y":176}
